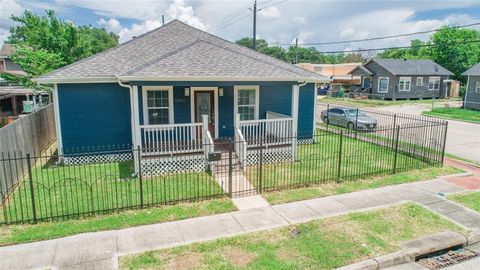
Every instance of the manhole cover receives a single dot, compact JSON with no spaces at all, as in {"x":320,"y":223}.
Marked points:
{"x":451,"y":257}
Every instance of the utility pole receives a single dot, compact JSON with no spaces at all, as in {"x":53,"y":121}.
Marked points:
{"x":254,"y":45}
{"x":296,"y":50}
{"x":163,"y":20}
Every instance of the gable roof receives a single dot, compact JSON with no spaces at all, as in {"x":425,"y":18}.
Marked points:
{"x":177,"y":51}
{"x":361,"y":69}
{"x":473,"y":71}
{"x":412,"y":67}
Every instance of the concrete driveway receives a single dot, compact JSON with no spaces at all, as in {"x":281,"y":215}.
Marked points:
{"x":463,"y":139}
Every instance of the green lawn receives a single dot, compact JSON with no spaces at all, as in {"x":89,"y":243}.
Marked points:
{"x":97,"y":188}
{"x":319,"y":163}
{"x":324,"y":244}
{"x":375,"y":102}
{"x":16,"y":234}
{"x":333,"y":188}
{"x":470,"y":199}
{"x":455,"y":113}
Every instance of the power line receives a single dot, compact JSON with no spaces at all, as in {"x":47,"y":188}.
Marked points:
{"x":230,"y":16}
{"x":228,"y":24}
{"x":379,"y":38}
{"x":274,"y":4}
{"x":402,"y":47}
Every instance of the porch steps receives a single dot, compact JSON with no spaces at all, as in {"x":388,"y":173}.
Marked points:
{"x":240,"y":184}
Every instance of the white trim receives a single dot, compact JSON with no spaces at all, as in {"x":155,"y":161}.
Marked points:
{"x":295,"y":98}
{"x":416,"y":81}
{"x":477,"y":87}
{"x":378,"y":84}
{"x":170,"y":101}
{"x":56,"y":108}
{"x":405,"y":79}
{"x":138,"y":136}
{"x":434,"y":78}
{"x":215,"y":100}
{"x":179,"y":79}
{"x":314,"y":126}
{"x":256,"y":88}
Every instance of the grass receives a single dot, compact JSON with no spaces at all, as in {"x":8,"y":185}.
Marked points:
{"x":455,"y":113}
{"x":324,"y":244}
{"x":97,"y":188}
{"x":375,"y":102}
{"x":319,"y":163}
{"x":470,"y":199}
{"x":16,"y":234}
{"x":452,"y":156}
{"x":333,"y":188}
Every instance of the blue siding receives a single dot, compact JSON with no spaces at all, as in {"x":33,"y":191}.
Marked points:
{"x":306,"y":105}
{"x":94,"y":115}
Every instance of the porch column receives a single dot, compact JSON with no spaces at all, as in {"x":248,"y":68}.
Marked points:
{"x":135,"y":123}
{"x":295,"y":94}
{"x":58,"y":127}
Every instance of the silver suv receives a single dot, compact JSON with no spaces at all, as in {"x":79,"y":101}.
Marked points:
{"x":347,"y":117}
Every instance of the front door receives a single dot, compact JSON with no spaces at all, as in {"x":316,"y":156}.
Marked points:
{"x":204,"y":105}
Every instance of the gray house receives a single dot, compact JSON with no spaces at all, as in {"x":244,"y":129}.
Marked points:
{"x":472,"y":95}
{"x":403,"y":79}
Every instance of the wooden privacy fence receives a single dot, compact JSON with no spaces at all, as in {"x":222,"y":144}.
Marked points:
{"x":33,"y":133}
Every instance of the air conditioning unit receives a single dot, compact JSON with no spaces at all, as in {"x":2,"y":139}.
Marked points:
{"x":28,"y":106}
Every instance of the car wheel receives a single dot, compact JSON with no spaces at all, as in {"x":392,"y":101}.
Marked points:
{"x":351,"y":126}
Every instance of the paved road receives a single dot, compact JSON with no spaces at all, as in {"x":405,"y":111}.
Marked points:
{"x":463,"y":139}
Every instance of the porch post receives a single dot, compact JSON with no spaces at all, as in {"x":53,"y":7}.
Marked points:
{"x":295,"y":94}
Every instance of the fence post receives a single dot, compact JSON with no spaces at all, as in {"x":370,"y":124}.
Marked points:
{"x":260,"y":166}
{"x":340,"y":156}
{"x":328,"y":110}
{"x":444,"y":142}
{"x":396,"y":150}
{"x":230,"y":168}
{"x":393,"y":128}
{"x":140,"y":175}
{"x":32,"y":193}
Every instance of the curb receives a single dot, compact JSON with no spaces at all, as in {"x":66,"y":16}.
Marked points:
{"x":415,"y":248}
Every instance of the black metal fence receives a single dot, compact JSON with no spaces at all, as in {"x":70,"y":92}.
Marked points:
{"x":85,"y":182}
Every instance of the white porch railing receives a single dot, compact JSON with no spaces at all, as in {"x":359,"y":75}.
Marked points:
{"x":275,"y":130}
{"x":240,"y":147}
{"x":208,"y":141}
{"x":176,"y":138}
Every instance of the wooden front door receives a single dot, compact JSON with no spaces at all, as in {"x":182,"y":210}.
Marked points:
{"x":204,"y":105}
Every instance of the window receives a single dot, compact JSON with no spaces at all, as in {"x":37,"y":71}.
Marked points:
{"x":419,"y":81}
{"x":157,"y":105}
{"x":434,"y":83}
{"x":246,"y":102}
{"x":404,"y":83}
{"x":383,"y":84}
{"x":477,"y":87}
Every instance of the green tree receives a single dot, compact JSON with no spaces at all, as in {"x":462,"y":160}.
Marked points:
{"x":248,"y":42}
{"x":45,"y":43}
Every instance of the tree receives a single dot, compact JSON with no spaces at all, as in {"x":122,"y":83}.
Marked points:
{"x":248,"y":42}
{"x":45,"y":43}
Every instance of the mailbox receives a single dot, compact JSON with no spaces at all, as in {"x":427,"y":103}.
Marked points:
{"x":214,"y":156}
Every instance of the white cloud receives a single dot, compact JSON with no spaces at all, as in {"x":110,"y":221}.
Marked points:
{"x":178,"y":10}
{"x":111,"y":25}
{"x":271,"y":13}
{"x":300,"y":19}
{"x":7,"y":9}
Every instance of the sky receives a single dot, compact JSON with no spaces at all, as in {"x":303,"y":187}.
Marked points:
{"x":278,"y":21}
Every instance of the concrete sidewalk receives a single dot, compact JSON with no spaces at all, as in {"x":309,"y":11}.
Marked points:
{"x":101,"y":250}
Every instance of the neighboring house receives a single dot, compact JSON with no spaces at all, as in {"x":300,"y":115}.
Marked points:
{"x":169,"y":79}
{"x":472,"y":95}
{"x":338,"y":73}
{"x":6,"y":64}
{"x":404,"y":79}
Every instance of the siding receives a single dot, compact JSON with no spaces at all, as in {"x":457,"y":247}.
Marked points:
{"x":306,"y":105}
{"x":94,"y":115}
{"x":472,"y":99}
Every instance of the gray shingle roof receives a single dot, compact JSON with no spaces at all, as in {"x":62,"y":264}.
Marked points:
{"x":179,"y":51}
{"x":412,"y":67}
{"x":473,"y":71}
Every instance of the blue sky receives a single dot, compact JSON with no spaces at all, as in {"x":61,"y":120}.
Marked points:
{"x":279,"y":21}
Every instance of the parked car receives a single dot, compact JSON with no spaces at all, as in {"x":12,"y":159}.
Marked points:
{"x":347,"y":117}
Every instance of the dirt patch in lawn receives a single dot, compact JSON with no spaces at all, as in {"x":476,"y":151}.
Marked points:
{"x":238,"y":257}
{"x":184,"y":261}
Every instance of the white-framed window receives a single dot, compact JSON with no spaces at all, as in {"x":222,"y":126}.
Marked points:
{"x":383,"y":83}
{"x":434,"y":83}
{"x":419,"y":81}
{"x":404,"y":83}
{"x":246,"y":99}
{"x":157,"y":105}
{"x":477,"y":87}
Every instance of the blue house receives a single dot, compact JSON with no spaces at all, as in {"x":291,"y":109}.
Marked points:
{"x":177,"y":88}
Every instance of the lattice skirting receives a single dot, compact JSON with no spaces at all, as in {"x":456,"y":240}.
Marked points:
{"x":305,"y":141}
{"x":270,"y":155}
{"x":88,"y":159}
{"x":169,"y":165}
